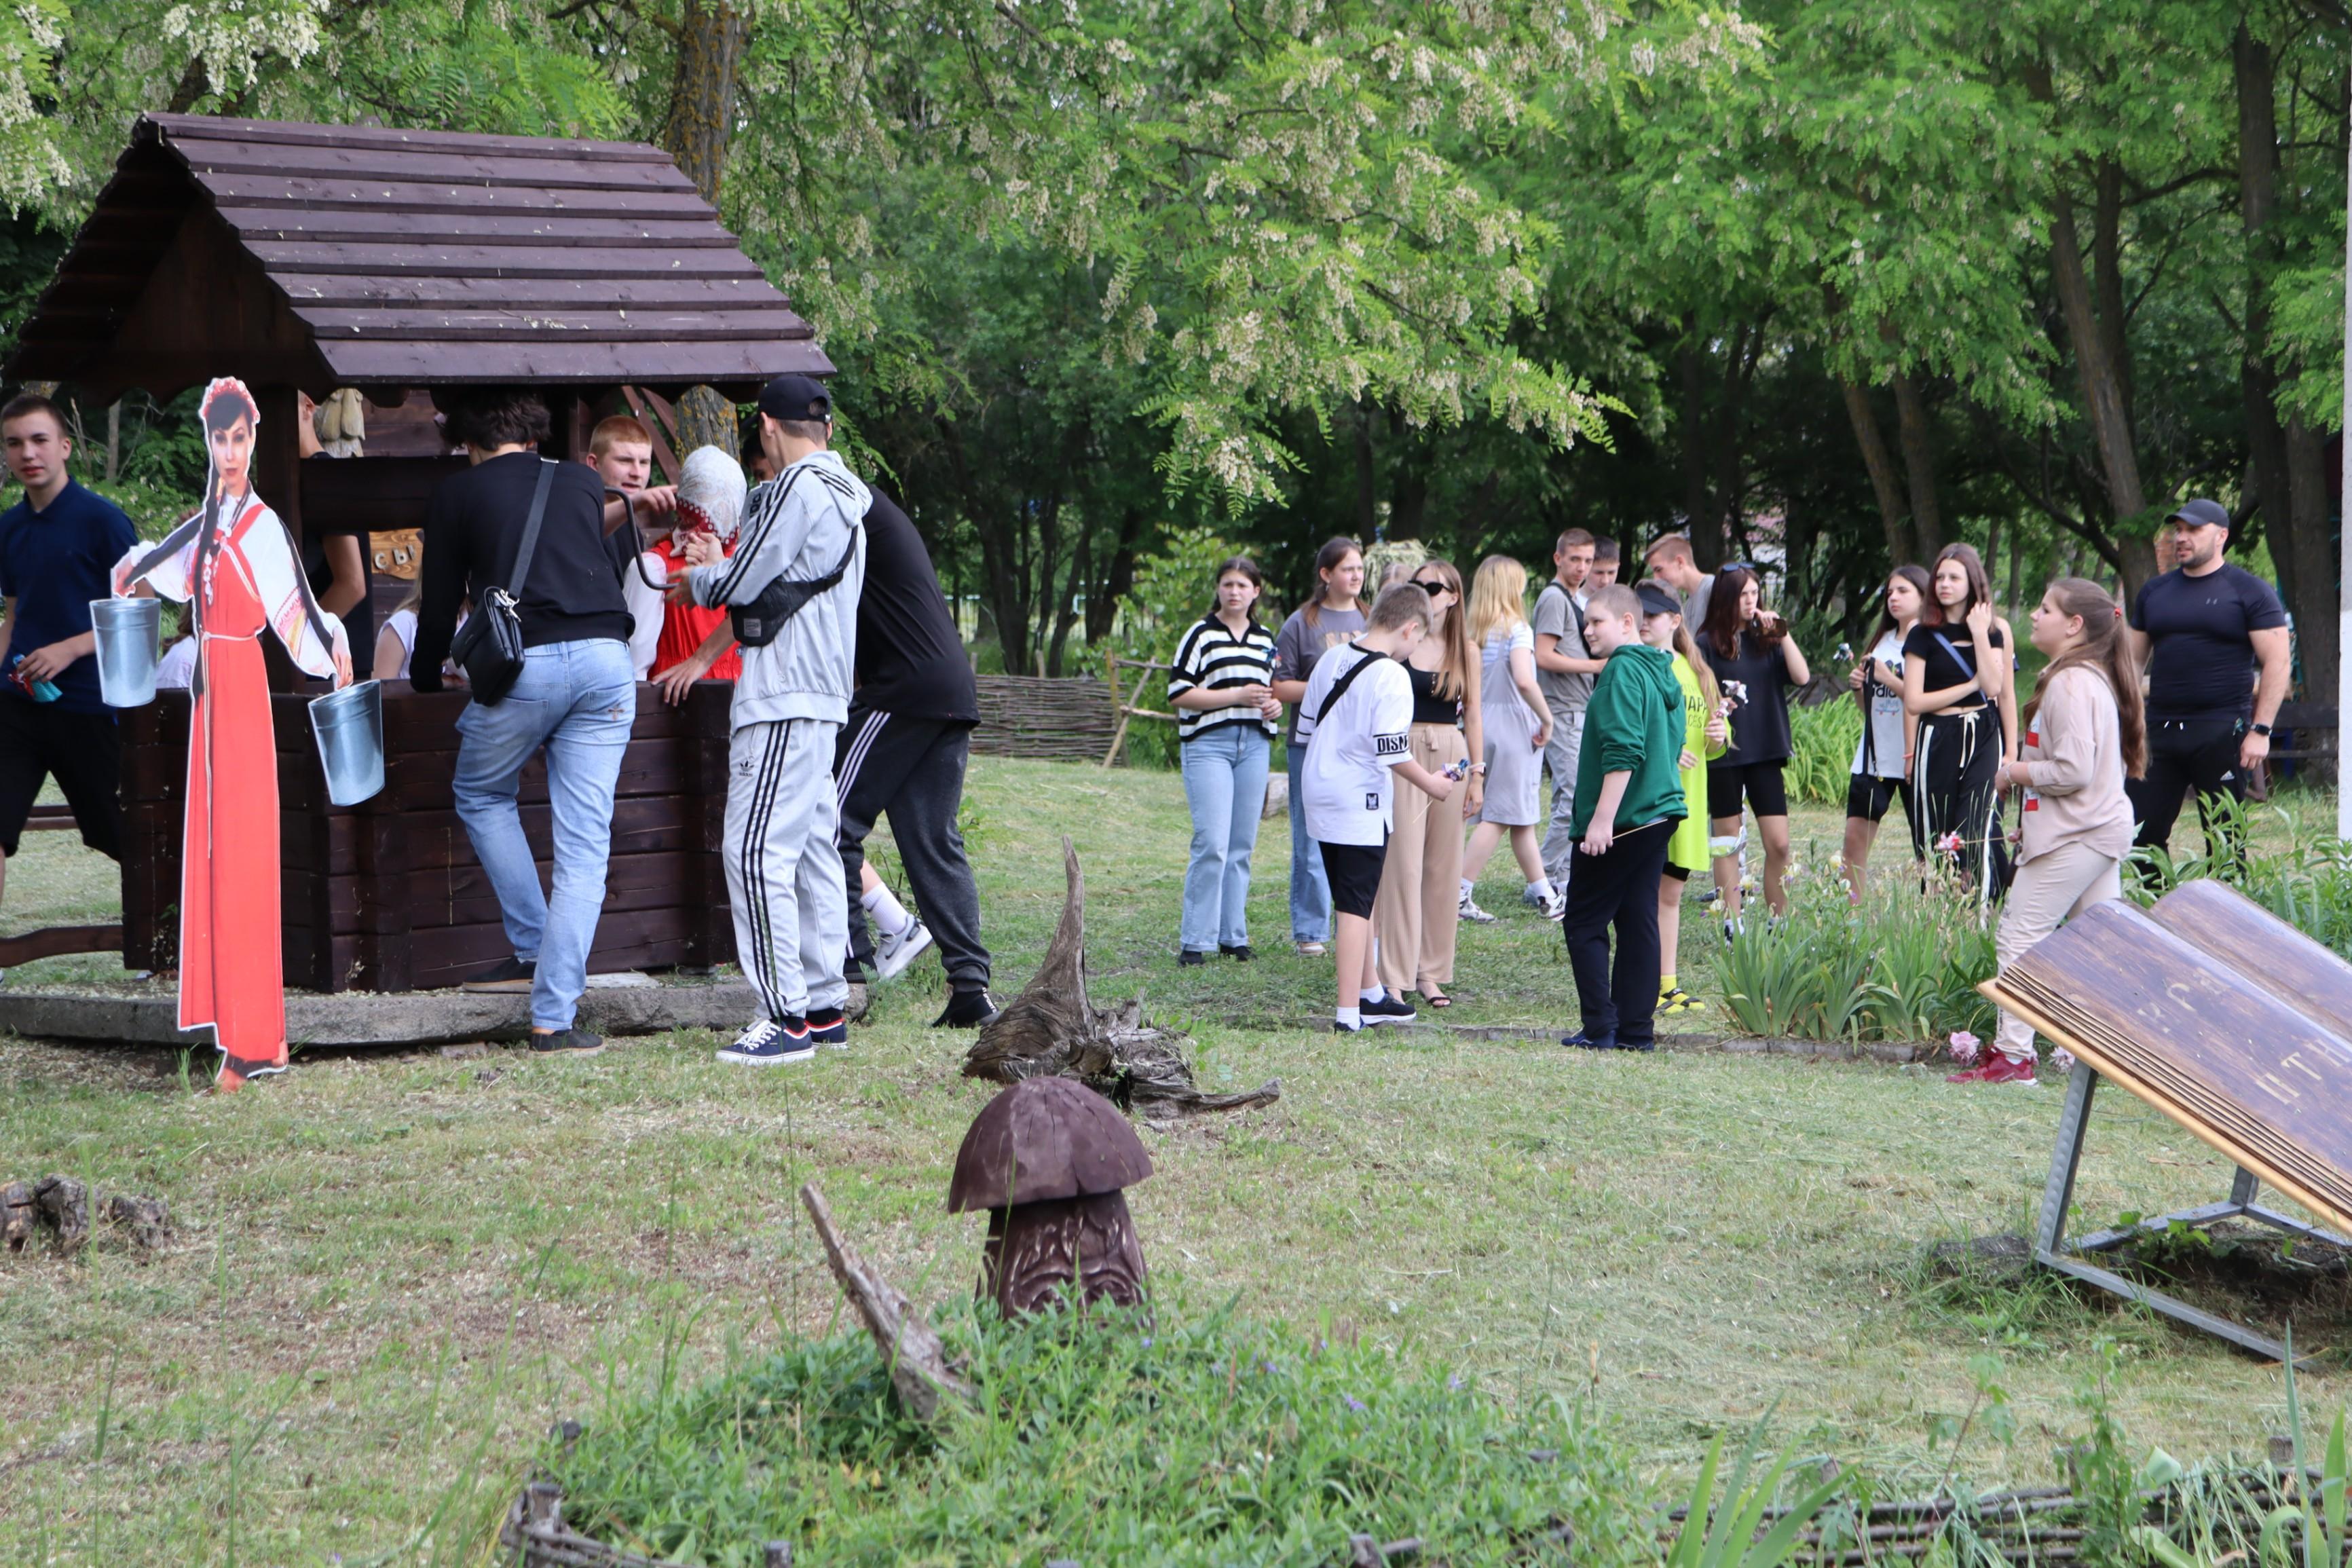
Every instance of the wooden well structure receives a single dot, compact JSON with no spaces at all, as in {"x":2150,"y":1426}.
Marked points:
{"x":308,"y":258}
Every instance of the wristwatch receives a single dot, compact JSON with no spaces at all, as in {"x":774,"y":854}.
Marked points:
{"x":2262,"y":730}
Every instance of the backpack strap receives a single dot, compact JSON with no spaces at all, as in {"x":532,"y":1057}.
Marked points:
{"x":1958,"y":658}
{"x":1340,"y":686}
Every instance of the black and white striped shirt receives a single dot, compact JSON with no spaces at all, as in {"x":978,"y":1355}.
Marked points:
{"x":1213,"y":657}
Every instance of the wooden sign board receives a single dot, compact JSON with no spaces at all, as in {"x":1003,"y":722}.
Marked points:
{"x":2227,"y":1020}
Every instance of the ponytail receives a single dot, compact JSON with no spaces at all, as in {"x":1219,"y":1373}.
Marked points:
{"x":2106,"y":650}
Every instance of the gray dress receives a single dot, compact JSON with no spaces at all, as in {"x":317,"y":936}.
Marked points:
{"x":1514,"y":763}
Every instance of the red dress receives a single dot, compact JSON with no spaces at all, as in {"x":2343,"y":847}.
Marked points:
{"x":232,"y":972}
{"x":685,"y":626}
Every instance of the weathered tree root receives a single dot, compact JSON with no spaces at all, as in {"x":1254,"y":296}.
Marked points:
{"x":917,"y":1363}
{"x":1052,"y":1028}
{"x":64,"y":1205}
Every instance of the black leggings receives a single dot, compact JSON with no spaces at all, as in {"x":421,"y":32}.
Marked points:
{"x":1958,"y":822}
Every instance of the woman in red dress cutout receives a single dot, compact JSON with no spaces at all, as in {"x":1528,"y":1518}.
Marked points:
{"x":236,"y":564}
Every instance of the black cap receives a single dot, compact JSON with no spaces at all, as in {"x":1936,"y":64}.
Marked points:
{"x":2210,"y":513}
{"x":1657,"y":601}
{"x":796,"y":397}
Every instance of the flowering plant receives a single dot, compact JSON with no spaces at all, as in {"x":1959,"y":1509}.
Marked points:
{"x":1965,"y":1048}
{"x":1950,"y":844}
{"x":2062,"y":1061}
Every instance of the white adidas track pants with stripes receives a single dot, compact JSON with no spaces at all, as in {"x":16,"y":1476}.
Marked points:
{"x":784,"y":880}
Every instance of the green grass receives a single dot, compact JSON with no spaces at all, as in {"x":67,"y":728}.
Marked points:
{"x":395,"y":1271}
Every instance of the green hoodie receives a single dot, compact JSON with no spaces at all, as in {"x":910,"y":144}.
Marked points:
{"x":1633,"y":724}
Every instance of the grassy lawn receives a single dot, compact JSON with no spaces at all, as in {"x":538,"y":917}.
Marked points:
{"x":394,"y":1272}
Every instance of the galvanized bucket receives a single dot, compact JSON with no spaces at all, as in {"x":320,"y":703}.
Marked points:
{"x":350,"y":727}
{"x":130,"y":647}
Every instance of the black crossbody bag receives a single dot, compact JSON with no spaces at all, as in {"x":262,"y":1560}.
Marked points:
{"x":489,"y":650}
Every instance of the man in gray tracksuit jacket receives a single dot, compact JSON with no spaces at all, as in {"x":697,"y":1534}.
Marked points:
{"x":783,"y":870}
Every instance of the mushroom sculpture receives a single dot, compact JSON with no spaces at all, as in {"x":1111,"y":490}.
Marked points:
{"x":1050,"y":1159}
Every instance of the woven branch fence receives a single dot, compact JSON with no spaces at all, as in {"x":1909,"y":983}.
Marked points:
{"x":1063,"y":720}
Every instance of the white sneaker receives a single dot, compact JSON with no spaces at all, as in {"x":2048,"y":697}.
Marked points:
{"x":1554,"y":907}
{"x":1469,"y":910}
{"x":893,"y":954}
{"x":1529,"y":896}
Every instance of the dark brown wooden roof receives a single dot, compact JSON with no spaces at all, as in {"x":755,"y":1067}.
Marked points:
{"x":331,"y":255}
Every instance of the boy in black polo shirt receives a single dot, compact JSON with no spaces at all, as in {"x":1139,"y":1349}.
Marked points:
{"x":57,"y":546}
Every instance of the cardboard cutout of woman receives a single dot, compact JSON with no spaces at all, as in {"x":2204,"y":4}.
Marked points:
{"x":239,"y":570}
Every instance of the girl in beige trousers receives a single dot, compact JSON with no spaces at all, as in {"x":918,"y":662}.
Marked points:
{"x":1417,"y":914}
{"x":2084,"y":733}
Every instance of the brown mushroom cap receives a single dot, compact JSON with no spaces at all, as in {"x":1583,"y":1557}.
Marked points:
{"x":1045,"y":1137}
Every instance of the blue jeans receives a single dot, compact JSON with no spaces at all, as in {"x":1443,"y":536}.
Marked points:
{"x":579,"y":700}
{"x":1224,"y":780}
{"x":1311,"y":890}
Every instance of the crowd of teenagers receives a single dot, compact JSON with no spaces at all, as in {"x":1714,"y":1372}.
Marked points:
{"x":852,"y":697}
{"x":1420,"y":729}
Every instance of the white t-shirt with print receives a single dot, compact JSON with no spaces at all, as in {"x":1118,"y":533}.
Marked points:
{"x":1350,"y":750}
{"x":1879,"y":753}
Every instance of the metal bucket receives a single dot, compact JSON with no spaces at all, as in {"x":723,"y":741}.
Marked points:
{"x":350,"y":727}
{"x":130,"y":646}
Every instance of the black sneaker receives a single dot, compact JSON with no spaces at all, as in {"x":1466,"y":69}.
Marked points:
{"x":1191,"y":958}
{"x":574,"y":1042}
{"x":828,"y":1026}
{"x":967,"y":1009}
{"x":1340,"y":1029}
{"x":1387,"y":1010}
{"x":508,"y":974}
{"x":1239,"y":952}
{"x":765,"y":1043}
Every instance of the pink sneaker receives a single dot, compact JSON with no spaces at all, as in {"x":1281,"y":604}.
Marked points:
{"x":1999,"y":1068}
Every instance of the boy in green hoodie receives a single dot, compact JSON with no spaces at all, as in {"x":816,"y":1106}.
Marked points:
{"x":1629,"y":795}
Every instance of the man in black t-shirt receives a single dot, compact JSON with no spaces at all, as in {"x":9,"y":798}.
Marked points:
{"x":2201,"y":631}
{"x":903,"y":750}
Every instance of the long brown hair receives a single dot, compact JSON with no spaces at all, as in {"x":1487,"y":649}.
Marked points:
{"x":2104,"y":650}
{"x":1326,"y":558}
{"x":1979,"y":586}
{"x":1452,"y":679}
{"x":1722,"y":627}
{"x":1930,"y":613}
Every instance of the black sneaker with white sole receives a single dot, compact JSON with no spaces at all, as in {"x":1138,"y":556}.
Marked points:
{"x":765,"y":1043}
{"x":574,"y":1042}
{"x":507,"y":976}
{"x":967,"y":1008}
{"x":1387,"y":1010}
{"x":829,"y":1026}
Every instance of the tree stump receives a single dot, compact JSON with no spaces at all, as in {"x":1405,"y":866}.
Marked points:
{"x":1051,"y":1028}
{"x":145,"y":1220}
{"x":17,"y":1216}
{"x":64,"y":1204}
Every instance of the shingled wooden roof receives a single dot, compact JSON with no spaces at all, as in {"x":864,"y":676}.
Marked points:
{"x":333,"y":254}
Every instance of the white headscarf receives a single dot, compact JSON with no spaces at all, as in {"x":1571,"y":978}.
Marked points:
{"x":711,"y":491}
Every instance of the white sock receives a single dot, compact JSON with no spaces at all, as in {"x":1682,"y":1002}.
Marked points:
{"x":1468,"y":887}
{"x":883,"y":908}
{"x":1351,"y":1016}
{"x":1542,"y":885}
{"x":1375,"y":994}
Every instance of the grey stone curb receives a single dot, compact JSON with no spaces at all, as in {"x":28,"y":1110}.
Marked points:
{"x":361,"y":1019}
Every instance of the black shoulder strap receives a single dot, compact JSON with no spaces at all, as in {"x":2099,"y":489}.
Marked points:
{"x":530,"y":545}
{"x":1958,"y":658}
{"x":1340,"y":686}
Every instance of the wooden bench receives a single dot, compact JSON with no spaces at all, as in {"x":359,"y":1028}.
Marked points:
{"x":2305,"y":735}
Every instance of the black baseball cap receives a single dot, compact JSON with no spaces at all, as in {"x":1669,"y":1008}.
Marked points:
{"x":2210,"y":513}
{"x":796,"y":397}
{"x":1657,"y":601}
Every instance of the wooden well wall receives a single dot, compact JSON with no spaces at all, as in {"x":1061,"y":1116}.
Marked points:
{"x":387,"y":895}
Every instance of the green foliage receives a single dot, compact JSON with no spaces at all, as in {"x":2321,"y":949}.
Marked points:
{"x":1172,"y":1439}
{"x":1901,"y":966}
{"x":2307,"y":881}
{"x":1821,"y":757}
{"x":1174,"y":587}
{"x":1735,"y":1535}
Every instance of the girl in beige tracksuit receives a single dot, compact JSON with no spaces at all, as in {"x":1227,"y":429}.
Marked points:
{"x":2084,"y":733}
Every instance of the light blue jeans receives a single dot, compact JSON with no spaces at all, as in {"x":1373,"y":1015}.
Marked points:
{"x":1224,"y":780}
{"x":577,"y":699}
{"x":1310,"y":891}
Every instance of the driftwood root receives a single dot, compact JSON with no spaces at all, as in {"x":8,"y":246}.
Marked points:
{"x":1052,"y":1028}
{"x":65,"y":1207}
{"x":918,"y":1365}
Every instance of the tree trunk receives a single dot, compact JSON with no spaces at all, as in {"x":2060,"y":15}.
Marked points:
{"x":1699,"y":514}
{"x":1893,"y":515}
{"x":706,"y":419}
{"x":1730,"y":483}
{"x":2315,"y":607}
{"x":701,"y":122}
{"x":2266,"y":441}
{"x":2103,"y":395}
{"x":1919,"y":466}
{"x":114,"y":438}
{"x":2107,"y":274}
